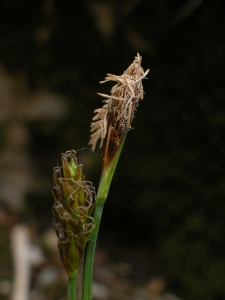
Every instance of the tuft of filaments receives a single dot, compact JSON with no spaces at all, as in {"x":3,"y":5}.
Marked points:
{"x":119,"y":107}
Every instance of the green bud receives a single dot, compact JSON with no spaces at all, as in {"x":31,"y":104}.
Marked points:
{"x":72,"y":210}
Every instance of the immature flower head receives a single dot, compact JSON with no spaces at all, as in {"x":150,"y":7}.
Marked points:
{"x":72,"y":209}
{"x":113,"y":120}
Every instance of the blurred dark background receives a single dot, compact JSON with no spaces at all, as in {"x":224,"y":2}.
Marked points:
{"x":165,"y":214}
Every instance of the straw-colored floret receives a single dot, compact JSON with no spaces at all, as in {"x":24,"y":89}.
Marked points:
{"x":120,"y":106}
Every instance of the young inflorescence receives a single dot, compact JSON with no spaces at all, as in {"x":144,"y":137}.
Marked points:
{"x":72,"y":210}
{"x":113,"y":120}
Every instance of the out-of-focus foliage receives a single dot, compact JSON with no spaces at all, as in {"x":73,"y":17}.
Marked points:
{"x":171,"y":172}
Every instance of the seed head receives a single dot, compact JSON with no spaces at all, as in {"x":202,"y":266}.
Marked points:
{"x":113,"y":120}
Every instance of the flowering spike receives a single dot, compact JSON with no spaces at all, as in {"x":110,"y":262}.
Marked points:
{"x":113,"y":120}
{"x":72,"y":209}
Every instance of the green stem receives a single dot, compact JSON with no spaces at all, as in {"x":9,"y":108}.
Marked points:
{"x":103,"y":189}
{"x":72,"y":287}
{"x":89,"y":254}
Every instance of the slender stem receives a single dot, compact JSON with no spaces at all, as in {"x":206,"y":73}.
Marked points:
{"x":108,"y":172}
{"x":72,"y":287}
{"x":89,"y":254}
{"x":103,"y":189}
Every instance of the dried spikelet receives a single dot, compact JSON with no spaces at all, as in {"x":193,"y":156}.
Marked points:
{"x":113,"y":120}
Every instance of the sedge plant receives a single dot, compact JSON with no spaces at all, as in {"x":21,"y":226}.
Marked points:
{"x":77,"y":211}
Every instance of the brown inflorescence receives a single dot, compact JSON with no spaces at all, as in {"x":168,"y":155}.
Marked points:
{"x":113,"y":120}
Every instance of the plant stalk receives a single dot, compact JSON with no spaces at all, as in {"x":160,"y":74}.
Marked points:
{"x":89,"y":254}
{"x":103,"y":189}
{"x":72,"y":287}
